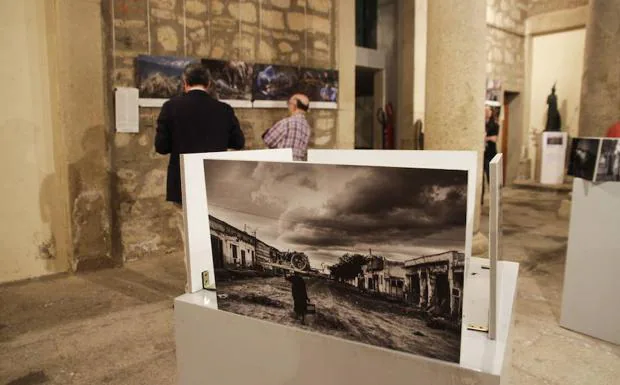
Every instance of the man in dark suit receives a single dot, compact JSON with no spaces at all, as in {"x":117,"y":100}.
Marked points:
{"x":192,"y":123}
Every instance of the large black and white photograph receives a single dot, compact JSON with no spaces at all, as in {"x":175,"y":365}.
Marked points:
{"x":369,"y":254}
{"x":230,"y":80}
{"x":609,"y":161}
{"x":160,"y":77}
{"x":274,"y":82}
{"x":582,"y":158}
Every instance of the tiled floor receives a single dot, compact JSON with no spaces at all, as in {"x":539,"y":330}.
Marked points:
{"x":115,"y":326}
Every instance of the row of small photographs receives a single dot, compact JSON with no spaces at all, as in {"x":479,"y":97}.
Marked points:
{"x":595,"y":159}
{"x":159,"y":77}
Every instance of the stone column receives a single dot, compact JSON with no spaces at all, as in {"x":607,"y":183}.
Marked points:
{"x":345,"y":57}
{"x":455,"y":83}
{"x":82,"y":122}
{"x":600,"y":99}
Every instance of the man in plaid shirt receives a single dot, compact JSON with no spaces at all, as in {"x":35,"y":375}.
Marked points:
{"x":293,"y":131}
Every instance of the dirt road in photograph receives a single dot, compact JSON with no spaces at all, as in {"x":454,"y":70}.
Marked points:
{"x":341,"y":311}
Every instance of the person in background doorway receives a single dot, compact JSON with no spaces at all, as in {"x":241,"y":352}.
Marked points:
{"x":192,"y":123}
{"x":490,"y":139}
{"x":293,"y":131}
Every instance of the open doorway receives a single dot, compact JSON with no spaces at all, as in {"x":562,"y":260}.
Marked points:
{"x":368,"y":99}
{"x":511,"y":136}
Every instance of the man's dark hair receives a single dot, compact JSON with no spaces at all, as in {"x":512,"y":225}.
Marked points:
{"x":195,"y":74}
{"x":301,"y":106}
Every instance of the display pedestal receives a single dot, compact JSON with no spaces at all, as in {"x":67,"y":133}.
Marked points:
{"x":590,"y":303}
{"x":218,"y":347}
{"x":553,"y":157}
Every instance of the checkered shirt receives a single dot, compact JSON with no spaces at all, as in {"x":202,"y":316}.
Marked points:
{"x":292,"y":132}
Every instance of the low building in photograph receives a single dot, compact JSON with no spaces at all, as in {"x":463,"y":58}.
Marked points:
{"x":384,"y":276}
{"x":231,"y":246}
{"x":435,"y":282}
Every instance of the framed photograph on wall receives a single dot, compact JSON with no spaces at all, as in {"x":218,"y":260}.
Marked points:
{"x":274,"y":82}
{"x":160,"y":77}
{"x":230,"y":80}
{"x":318,"y":84}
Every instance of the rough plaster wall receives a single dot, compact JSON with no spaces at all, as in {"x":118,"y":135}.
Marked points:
{"x":293,"y":32}
{"x":79,"y":84}
{"x":505,"y":42}
{"x":536,"y":7}
{"x":32,"y":225}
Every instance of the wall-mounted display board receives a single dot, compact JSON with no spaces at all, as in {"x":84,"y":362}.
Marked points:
{"x":240,"y":84}
{"x":595,"y":159}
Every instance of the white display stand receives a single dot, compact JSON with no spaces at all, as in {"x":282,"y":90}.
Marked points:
{"x":219,"y":347}
{"x":553,"y":158}
{"x":590,"y":302}
{"x":223,"y":348}
{"x":495,"y":235}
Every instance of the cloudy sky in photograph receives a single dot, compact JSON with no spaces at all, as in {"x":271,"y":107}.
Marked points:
{"x":328,"y":210}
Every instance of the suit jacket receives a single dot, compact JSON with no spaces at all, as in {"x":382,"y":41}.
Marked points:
{"x":191,"y":123}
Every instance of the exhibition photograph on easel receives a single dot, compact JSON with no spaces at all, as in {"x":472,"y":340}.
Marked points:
{"x":372,"y":254}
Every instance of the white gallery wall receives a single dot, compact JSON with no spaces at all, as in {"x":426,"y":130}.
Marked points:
{"x":28,"y":196}
{"x":556,"y":58}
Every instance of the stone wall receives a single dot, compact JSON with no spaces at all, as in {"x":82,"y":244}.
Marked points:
{"x":537,"y":7}
{"x":505,"y":42}
{"x":291,"y":32}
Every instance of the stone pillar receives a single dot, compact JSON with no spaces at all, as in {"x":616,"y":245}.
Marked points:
{"x":79,"y":97}
{"x":455,"y":84}
{"x":431,"y":281}
{"x":345,"y":58}
{"x":600,"y":99}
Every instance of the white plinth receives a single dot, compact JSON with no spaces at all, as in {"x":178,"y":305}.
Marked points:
{"x":590,"y":303}
{"x":553,"y":159}
{"x":218,"y":347}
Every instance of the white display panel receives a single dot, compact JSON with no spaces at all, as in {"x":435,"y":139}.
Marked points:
{"x":495,"y":232}
{"x":553,"y":159}
{"x":211,"y":343}
{"x":198,"y":242}
{"x":590,"y":303}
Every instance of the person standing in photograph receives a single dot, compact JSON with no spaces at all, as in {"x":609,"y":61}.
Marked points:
{"x":192,"y":123}
{"x":293,"y":131}
{"x":300,"y":297}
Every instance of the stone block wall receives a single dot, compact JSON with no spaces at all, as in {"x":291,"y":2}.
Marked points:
{"x":537,"y":7}
{"x":290,"y":32}
{"x":505,"y":42}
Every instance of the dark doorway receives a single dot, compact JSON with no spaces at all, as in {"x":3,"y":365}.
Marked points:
{"x":414,"y":297}
{"x":366,"y":16}
{"x":217,"y":247}
{"x":234,"y":253}
{"x":424,"y":289}
{"x":442,"y":294}
{"x":243,"y":258}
